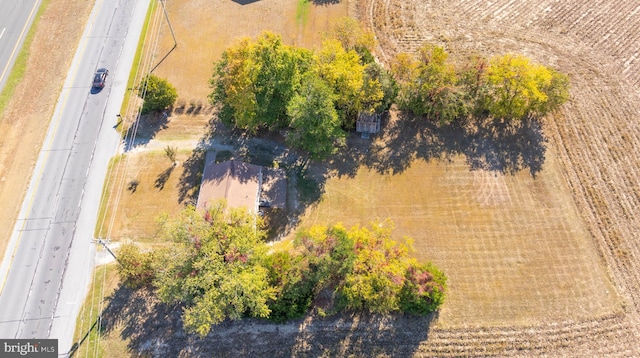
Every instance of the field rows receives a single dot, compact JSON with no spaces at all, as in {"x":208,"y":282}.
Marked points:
{"x":596,"y":137}
{"x":608,"y":27}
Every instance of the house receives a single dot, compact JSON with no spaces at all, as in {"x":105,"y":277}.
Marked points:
{"x":241,"y":185}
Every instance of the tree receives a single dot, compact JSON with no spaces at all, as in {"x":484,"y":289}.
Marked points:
{"x":157,"y":93}
{"x":232,"y":83}
{"x":136,"y":268}
{"x":278,"y":77}
{"x":428,"y":86}
{"x":557,"y":91}
{"x":171,"y":153}
{"x":353,"y":37}
{"x":255,"y":80}
{"x":473,"y":81}
{"x":295,"y":287}
{"x":382,"y":81}
{"x":315,"y":126}
{"x":378,"y":273}
{"x":423,"y":289}
{"x":518,"y":88}
{"x":215,"y":267}
{"x":343,"y":72}
{"x":366,"y":270}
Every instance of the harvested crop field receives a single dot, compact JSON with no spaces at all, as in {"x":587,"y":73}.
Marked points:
{"x":595,"y":139}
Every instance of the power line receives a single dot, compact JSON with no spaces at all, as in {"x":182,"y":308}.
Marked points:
{"x":120,"y":170}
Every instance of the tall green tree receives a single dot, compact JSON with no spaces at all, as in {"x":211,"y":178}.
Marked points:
{"x":255,"y":79}
{"x":278,"y":78}
{"x":295,"y":286}
{"x":157,"y":93}
{"x":557,"y":91}
{"x":315,"y":126}
{"x":322,"y":257}
{"x":384,"y":87}
{"x":423,"y":290}
{"x":518,"y":88}
{"x":215,"y":267}
{"x":472,"y":80}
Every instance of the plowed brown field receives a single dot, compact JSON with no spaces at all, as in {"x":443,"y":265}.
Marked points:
{"x":595,"y":138}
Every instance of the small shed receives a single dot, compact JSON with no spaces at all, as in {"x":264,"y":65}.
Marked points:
{"x":368,"y":123}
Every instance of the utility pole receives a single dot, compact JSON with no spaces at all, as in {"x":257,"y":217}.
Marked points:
{"x":175,"y":42}
{"x":104,"y":244}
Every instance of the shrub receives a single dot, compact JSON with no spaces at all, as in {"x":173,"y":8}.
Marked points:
{"x":423,"y":289}
{"x":157,"y":93}
{"x":135,"y":269}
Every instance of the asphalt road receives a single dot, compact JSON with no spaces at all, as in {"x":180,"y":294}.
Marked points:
{"x":49,"y":263}
{"x":15,"y":19}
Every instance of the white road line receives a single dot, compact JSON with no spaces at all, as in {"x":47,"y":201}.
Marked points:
{"x":2,"y":33}
{"x":22,"y":33}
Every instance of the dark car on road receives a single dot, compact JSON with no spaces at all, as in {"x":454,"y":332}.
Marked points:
{"x":100,"y":77}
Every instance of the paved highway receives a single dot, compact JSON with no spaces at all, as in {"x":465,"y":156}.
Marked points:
{"x":47,"y":268}
{"x":15,"y":19}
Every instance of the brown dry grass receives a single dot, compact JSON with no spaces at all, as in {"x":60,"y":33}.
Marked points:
{"x":91,"y":341}
{"x":594,"y":140}
{"x":147,"y":189}
{"x":204,"y":29}
{"x":514,"y":248}
{"x":577,"y":213}
{"x":25,"y":120}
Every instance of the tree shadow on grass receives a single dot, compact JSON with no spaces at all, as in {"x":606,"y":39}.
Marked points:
{"x":486,"y":144}
{"x":145,"y":128}
{"x":506,"y":147}
{"x":189,"y":184}
{"x":163,"y":177}
{"x":155,"y":329}
{"x":325,"y":2}
{"x":245,"y":2}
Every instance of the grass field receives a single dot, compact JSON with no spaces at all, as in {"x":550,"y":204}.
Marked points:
{"x":144,"y":186}
{"x":513,"y":247}
{"x":525,"y":272}
{"x":90,"y":340}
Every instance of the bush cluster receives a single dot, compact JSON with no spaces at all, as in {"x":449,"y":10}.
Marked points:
{"x":218,"y":267}
{"x":505,"y":87}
